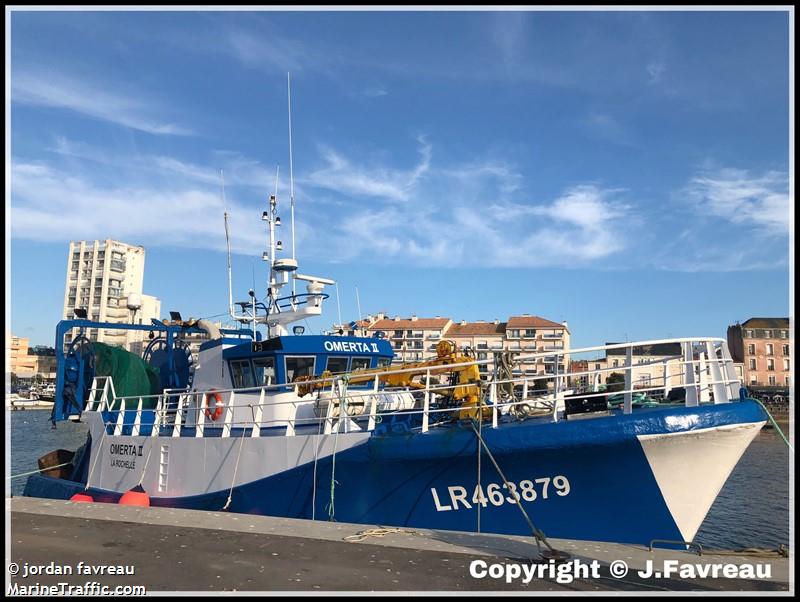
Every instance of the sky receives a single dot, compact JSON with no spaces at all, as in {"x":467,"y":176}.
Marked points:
{"x":625,"y":171}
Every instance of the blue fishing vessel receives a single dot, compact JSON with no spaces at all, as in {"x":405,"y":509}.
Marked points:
{"x":325,"y":427}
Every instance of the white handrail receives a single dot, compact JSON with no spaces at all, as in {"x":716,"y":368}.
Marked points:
{"x":710,"y":374}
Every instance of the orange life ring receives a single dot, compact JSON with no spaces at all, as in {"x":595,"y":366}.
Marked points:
{"x":218,"y":404}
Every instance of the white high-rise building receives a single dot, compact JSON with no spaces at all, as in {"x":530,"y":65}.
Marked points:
{"x":104,"y":278}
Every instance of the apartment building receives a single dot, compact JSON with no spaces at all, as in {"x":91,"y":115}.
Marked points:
{"x":19,"y":362}
{"x":527,"y":335}
{"x":30,"y":362}
{"x":764,"y":347}
{"x":657,"y":365}
{"x":104,"y":278}
{"x":414,"y":339}
{"x":482,"y":338}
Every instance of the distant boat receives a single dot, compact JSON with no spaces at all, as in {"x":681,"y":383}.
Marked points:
{"x":15,"y":402}
{"x":48,"y":393}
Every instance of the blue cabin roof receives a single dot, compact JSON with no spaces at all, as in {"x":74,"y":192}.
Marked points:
{"x":304,"y":345}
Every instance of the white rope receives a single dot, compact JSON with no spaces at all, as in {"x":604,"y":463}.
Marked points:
{"x":25,"y":474}
{"x":238,"y":457}
{"x":378,"y":532}
{"x":97,"y":456}
{"x":316,"y":455}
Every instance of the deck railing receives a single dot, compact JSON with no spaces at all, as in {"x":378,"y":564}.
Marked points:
{"x":704,"y":368}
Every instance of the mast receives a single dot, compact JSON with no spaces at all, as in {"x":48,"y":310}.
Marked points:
{"x":291,"y":173}
{"x":228,"y":244}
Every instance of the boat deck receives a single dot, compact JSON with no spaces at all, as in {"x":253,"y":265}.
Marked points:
{"x":186,"y":550}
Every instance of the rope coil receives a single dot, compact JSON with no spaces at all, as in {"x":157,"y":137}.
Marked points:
{"x":378,"y":532}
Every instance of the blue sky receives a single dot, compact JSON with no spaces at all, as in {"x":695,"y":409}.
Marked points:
{"x":625,"y":171}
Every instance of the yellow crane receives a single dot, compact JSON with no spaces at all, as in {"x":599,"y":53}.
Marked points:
{"x":467,"y":389}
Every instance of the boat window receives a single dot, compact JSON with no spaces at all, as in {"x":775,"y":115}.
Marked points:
{"x":336,"y":364}
{"x":299,"y":366}
{"x":360,"y":363}
{"x":265,"y":370}
{"x":384,"y":361}
{"x":242,"y":374}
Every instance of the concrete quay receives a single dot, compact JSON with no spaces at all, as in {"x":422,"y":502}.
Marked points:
{"x":175,"y":550}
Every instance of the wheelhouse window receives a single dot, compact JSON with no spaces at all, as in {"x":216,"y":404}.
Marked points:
{"x":299,"y":366}
{"x":361,"y":363}
{"x":384,"y":361}
{"x":242,"y":374}
{"x":336,"y":364}
{"x":264,"y":370}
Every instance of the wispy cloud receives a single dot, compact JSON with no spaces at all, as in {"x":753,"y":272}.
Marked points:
{"x":655,"y":71}
{"x":508,"y":33}
{"x":459,"y":214}
{"x":50,"y":205}
{"x":375,"y":91}
{"x":56,"y":90}
{"x":266,"y":51}
{"x":728,"y":220}
{"x":608,"y":128}
{"x":735,"y":195}
{"x":237,"y":169}
{"x":342,"y":175}
{"x":471,"y":214}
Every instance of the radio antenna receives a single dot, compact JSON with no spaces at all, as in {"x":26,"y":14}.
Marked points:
{"x":291,"y":173}
{"x":228,"y":244}
{"x":338,"y":307}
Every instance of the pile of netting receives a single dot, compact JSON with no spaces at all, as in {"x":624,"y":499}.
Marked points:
{"x":131,"y":375}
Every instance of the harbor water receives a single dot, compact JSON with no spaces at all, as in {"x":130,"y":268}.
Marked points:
{"x":752,"y":509}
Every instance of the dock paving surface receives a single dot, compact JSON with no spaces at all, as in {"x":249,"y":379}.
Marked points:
{"x":175,"y":550}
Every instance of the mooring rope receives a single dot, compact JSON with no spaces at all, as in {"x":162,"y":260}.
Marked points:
{"x":537,"y":534}
{"x":782,"y":551}
{"x":25,"y":474}
{"x":314,"y":475}
{"x":97,"y":456}
{"x":238,"y":457}
{"x":378,"y":532}
{"x":334,"y":482}
{"x":775,"y":424}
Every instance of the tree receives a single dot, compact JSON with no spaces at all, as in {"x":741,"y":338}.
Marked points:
{"x":615,"y":382}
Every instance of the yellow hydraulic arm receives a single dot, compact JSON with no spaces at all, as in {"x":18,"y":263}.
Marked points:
{"x":403,"y":375}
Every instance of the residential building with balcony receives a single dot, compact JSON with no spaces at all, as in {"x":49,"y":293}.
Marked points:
{"x":482,"y":338}
{"x":659,"y":365}
{"x":764,"y":347}
{"x":101,"y":277}
{"x":413,"y":339}
{"x":29,"y":363}
{"x":527,"y":335}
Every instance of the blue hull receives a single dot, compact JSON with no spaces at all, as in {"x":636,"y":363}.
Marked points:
{"x":584,"y":479}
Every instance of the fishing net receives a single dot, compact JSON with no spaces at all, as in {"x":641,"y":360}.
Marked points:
{"x":131,"y":375}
